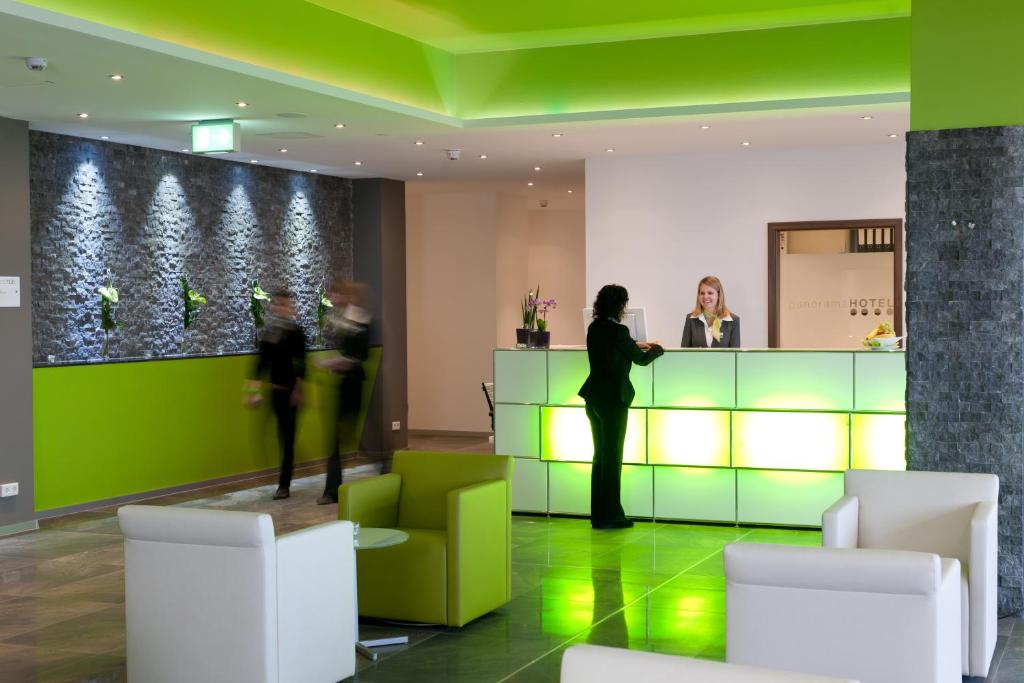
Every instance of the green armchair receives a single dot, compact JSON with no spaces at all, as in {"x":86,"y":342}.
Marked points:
{"x":457,"y":563}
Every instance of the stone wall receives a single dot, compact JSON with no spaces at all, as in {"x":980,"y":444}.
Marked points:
{"x":149,"y":216}
{"x":965,"y":319}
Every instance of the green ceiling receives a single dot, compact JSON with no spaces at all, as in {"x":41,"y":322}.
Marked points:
{"x":475,"y":26}
{"x":572,"y":59}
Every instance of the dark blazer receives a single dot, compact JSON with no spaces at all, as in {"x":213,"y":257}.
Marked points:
{"x":693,"y":334}
{"x":611,"y":352}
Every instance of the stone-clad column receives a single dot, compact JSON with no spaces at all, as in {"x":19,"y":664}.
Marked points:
{"x":965,"y":296}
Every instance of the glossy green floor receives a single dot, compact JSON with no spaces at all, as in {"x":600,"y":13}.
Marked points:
{"x":655,"y":587}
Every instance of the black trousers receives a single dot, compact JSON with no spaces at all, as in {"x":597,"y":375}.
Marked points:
{"x":350,"y":400}
{"x":608,"y":427}
{"x":286,"y":414}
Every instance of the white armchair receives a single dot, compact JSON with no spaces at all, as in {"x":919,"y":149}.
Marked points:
{"x":880,"y":616}
{"x":953,"y":515}
{"x":595,"y":664}
{"x":211,"y":596}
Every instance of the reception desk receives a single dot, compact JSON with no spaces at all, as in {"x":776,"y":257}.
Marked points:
{"x":741,"y":436}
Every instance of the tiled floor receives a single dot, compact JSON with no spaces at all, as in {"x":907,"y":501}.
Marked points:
{"x":655,"y":587}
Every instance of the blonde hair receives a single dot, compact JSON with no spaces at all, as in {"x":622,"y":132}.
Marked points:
{"x":721,"y":310}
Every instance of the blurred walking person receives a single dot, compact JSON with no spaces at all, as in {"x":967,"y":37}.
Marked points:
{"x":282,"y":365}
{"x":350,"y":333}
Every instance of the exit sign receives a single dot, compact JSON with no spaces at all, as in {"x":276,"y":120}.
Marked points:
{"x":216,"y":136}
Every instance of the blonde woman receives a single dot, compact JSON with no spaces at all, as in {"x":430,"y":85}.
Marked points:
{"x":711,"y":324}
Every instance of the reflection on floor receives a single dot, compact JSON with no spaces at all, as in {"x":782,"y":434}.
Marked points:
{"x":655,"y":587}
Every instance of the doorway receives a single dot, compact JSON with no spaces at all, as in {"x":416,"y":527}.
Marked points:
{"x":831,"y":282}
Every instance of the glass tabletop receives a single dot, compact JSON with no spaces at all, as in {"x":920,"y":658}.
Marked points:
{"x":370,"y":537}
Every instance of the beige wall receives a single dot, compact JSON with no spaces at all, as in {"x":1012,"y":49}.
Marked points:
{"x":451,"y":288}
{"x":557,"y":261}
{"x":472,"y":253}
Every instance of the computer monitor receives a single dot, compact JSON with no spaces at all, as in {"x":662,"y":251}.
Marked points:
{"x":634,"y":318}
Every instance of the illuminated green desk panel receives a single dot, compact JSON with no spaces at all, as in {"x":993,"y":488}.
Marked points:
{"x":794,"y":380}
{"x":569,"y":489}
{"x":695,"y":378}
{"x":520,"y":376}
{"x":880,"y":381}
{"x":568,"y":370}
{"x":566,"y":436}
{"x":755,"y":436}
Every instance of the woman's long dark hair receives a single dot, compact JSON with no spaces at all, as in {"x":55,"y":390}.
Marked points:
{"x":611,"y":302}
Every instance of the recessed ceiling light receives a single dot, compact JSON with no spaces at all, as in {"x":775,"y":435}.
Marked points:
{"x":242,"y":104}
{"x":705,"y":127}
{"x":556,"y":135}
{"x":610,"y":149}
{"x":117,"y":77}
{"x":359,"y":163}
{"x":283,"y":150}
{"x":746,"y":143}
{"x":867,"y":118}
{"x":893,"y":135}
{"x":339,"y":125}
{"x":253,"y":161}
{"x":536,"y":168}
{"x":83,"y":115}
{"x":530,"y":184}
{"x":569,"y":191}
{"x":419,"y":143}
{"x":104,"y":137}
{"x":483,"y":156}
{"x":419,"y":173}
{"x":312,"y":170}
{"x":186,"y":149}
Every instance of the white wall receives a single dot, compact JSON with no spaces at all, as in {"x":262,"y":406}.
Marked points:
{"x":656,"y":225}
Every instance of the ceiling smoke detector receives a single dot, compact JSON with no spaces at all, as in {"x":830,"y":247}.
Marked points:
{"x":453,"y":154}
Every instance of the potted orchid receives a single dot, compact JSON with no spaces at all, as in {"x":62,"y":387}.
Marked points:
{"x":257,"y":301}
{"x":529,"y":309}
{"x":541,"y":337}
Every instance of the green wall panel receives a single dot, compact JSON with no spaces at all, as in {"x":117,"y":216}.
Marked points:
{"x":688,"y":437}
{"x":565,"y":436}
{"x":880,"y":381}
{"x":788,"y":498}
{"x":520,"y":376}
{"x":966,"y":64}
{"x":780,"y":380}
{"x":116,"y":429}
{"x":695,"y":379}
{"x":791,"y":441}
{"x":695,"y":493}
{"x":517,"y":430}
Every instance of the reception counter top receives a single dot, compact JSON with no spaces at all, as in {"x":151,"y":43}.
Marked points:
{"x":757,"y":436}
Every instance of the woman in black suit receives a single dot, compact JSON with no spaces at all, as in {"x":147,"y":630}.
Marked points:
{"x":607,"y":394}
{"x":711,"y":324}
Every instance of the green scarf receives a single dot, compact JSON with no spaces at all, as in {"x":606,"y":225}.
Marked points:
{"x":716,"y":324}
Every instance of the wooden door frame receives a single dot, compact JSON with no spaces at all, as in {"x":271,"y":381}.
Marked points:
{"x":775,"y":229}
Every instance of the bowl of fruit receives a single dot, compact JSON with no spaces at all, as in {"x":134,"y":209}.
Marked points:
{"x":882,"y":338}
